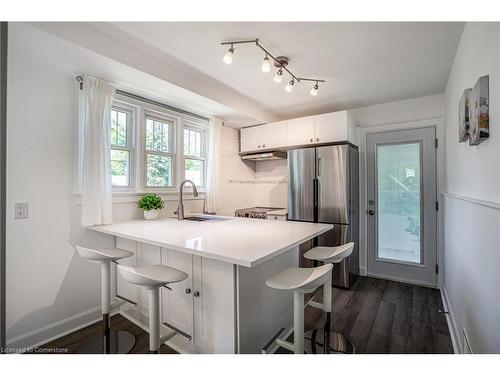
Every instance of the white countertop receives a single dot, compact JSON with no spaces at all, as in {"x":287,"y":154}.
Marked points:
{"x":241,"y":241}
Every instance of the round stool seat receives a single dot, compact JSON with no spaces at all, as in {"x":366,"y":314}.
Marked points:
{"x":300,"y":278}
{"x":333,"y":254}
{"x":103,"y":255}
{"x":150,"y":277}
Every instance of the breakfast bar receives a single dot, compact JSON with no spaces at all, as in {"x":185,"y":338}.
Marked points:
{"x":224,"y":305}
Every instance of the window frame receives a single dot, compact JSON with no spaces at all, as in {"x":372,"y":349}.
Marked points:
{"x":203,"y":129}
{"x":131,"y":145}
{"x":140,"y":110}
{"x":172,"y":145}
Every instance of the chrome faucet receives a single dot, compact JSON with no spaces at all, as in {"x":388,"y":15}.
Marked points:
{"x":180,"y":208}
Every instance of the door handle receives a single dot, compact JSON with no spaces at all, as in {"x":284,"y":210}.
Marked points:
{"x":188,"y":291}
{"x":196,"y":294}
{"x":371,"y":212}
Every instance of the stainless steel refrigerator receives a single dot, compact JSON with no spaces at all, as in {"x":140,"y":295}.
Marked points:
{"x":323,"y":187}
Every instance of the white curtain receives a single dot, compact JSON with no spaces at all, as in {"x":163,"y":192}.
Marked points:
{"x":94,"y":125}
{"x":213,"y":167}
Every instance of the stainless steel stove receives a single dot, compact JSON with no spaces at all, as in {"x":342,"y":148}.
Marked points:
{"x":256,"y":212}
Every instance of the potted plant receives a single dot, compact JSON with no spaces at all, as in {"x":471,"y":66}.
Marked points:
{"x":151,"y":204}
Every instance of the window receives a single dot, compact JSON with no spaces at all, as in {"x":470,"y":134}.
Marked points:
{"x":159,"y":145}
{"x":120,"y":147}
{"x":154,"y":148}
{"x":194,"y":154}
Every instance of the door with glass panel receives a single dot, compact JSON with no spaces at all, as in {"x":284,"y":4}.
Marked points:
{"x":401,"y":205}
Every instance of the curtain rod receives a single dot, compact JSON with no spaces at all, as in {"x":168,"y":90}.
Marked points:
{"x":150,"y":101}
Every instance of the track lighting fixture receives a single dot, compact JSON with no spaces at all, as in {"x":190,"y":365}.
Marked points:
{"x":278,"y":76}
{"x":280,"y":62}
{"x":266,"y":65}
{"x":314,"y":90}
{"x":228,"y":57}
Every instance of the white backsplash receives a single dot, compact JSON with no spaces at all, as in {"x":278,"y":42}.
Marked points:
{"x":248,"y":184}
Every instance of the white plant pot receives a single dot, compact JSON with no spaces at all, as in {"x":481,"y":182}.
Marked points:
{"x":151,"y":214}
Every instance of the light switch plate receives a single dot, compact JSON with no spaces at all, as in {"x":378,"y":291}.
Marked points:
{"x":21,"y":210}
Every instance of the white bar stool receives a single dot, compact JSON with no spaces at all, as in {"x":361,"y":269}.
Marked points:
{"x":338,"y":342}
{"x":152,"y":278}
{"x":110,"y":341}
{"x":301,"y":281}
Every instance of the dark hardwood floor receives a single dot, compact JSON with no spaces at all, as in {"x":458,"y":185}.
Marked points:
{"x":118,"y":322}
{"x":379,"y":316}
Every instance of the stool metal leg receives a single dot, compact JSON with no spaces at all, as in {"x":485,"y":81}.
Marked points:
{"x":298,"y":322}
{"x":154,"y":320}
{"x":327,"y":308}
{"x":115,"y":342}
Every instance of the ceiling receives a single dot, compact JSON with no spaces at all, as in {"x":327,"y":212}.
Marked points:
{"x":363,"y":63}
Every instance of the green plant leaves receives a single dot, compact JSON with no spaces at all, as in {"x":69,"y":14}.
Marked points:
{"x":151,"y":202}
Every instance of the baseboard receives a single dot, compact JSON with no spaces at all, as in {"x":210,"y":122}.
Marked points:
{"x":452,"y":325}
{"x":55,"y":330}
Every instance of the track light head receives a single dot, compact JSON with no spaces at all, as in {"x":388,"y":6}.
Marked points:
{"x":279,"y":76}
{"x":314,"y":90}
{"x":228,"y":57}
{"x":266,"y":65}
{"x":289,"y":86}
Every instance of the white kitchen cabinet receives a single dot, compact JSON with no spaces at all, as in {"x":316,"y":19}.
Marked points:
{"x":214,"y":305}
{"x":273,"y":134}
{"x":330,"y":127}
{"x":256,"y":138}
{"x":251,"y":139}
{"x":300,"y":131}
{"x":202,"y":306}
{"x":177,"y":303}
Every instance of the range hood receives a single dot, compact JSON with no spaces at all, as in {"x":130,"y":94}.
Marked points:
{"x":263,"y":156}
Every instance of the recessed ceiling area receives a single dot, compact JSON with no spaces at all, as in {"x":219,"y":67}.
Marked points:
{"x":364,"y":63}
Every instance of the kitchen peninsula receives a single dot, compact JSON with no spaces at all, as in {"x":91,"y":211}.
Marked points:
{"x":224,"y":305}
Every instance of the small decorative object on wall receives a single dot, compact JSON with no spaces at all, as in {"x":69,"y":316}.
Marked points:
{"x":479,"y":117}
{"x":463,"y":116}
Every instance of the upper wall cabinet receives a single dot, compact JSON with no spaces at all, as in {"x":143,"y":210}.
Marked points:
{"x":272,"y":135}
{"x":251,"y":138}
{"x":332,"y":127}
{"x":300,"y":131}
{"x":324,"y":128}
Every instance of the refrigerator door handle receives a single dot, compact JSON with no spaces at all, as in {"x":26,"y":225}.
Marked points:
{"x":319,"y":167}
{"x":316,"y":198}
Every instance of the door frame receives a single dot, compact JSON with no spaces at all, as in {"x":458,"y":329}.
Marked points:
{"x":408,"y":271}
{"x":3,"y":156}
{"x":439,"y":124}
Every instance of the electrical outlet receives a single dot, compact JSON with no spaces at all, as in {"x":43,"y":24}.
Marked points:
{"x":21,"y":210}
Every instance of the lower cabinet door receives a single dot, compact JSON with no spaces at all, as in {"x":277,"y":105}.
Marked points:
{"x":214,"y":305}
{"x":177,"y":304}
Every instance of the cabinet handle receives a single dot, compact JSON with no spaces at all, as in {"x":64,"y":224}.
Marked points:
{"x":258,"y":146}
{"x":263,"y":145}
{"x":311,"y":139}
{"x":188,"y":291}
{"x":196,"y":294}
{"x":317,"y":139}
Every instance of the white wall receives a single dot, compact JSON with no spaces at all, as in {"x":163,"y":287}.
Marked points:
{"x":472,"y":209}
{"x":49,"y":288}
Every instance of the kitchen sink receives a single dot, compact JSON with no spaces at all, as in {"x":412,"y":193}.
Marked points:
{"x":203,"y":218}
